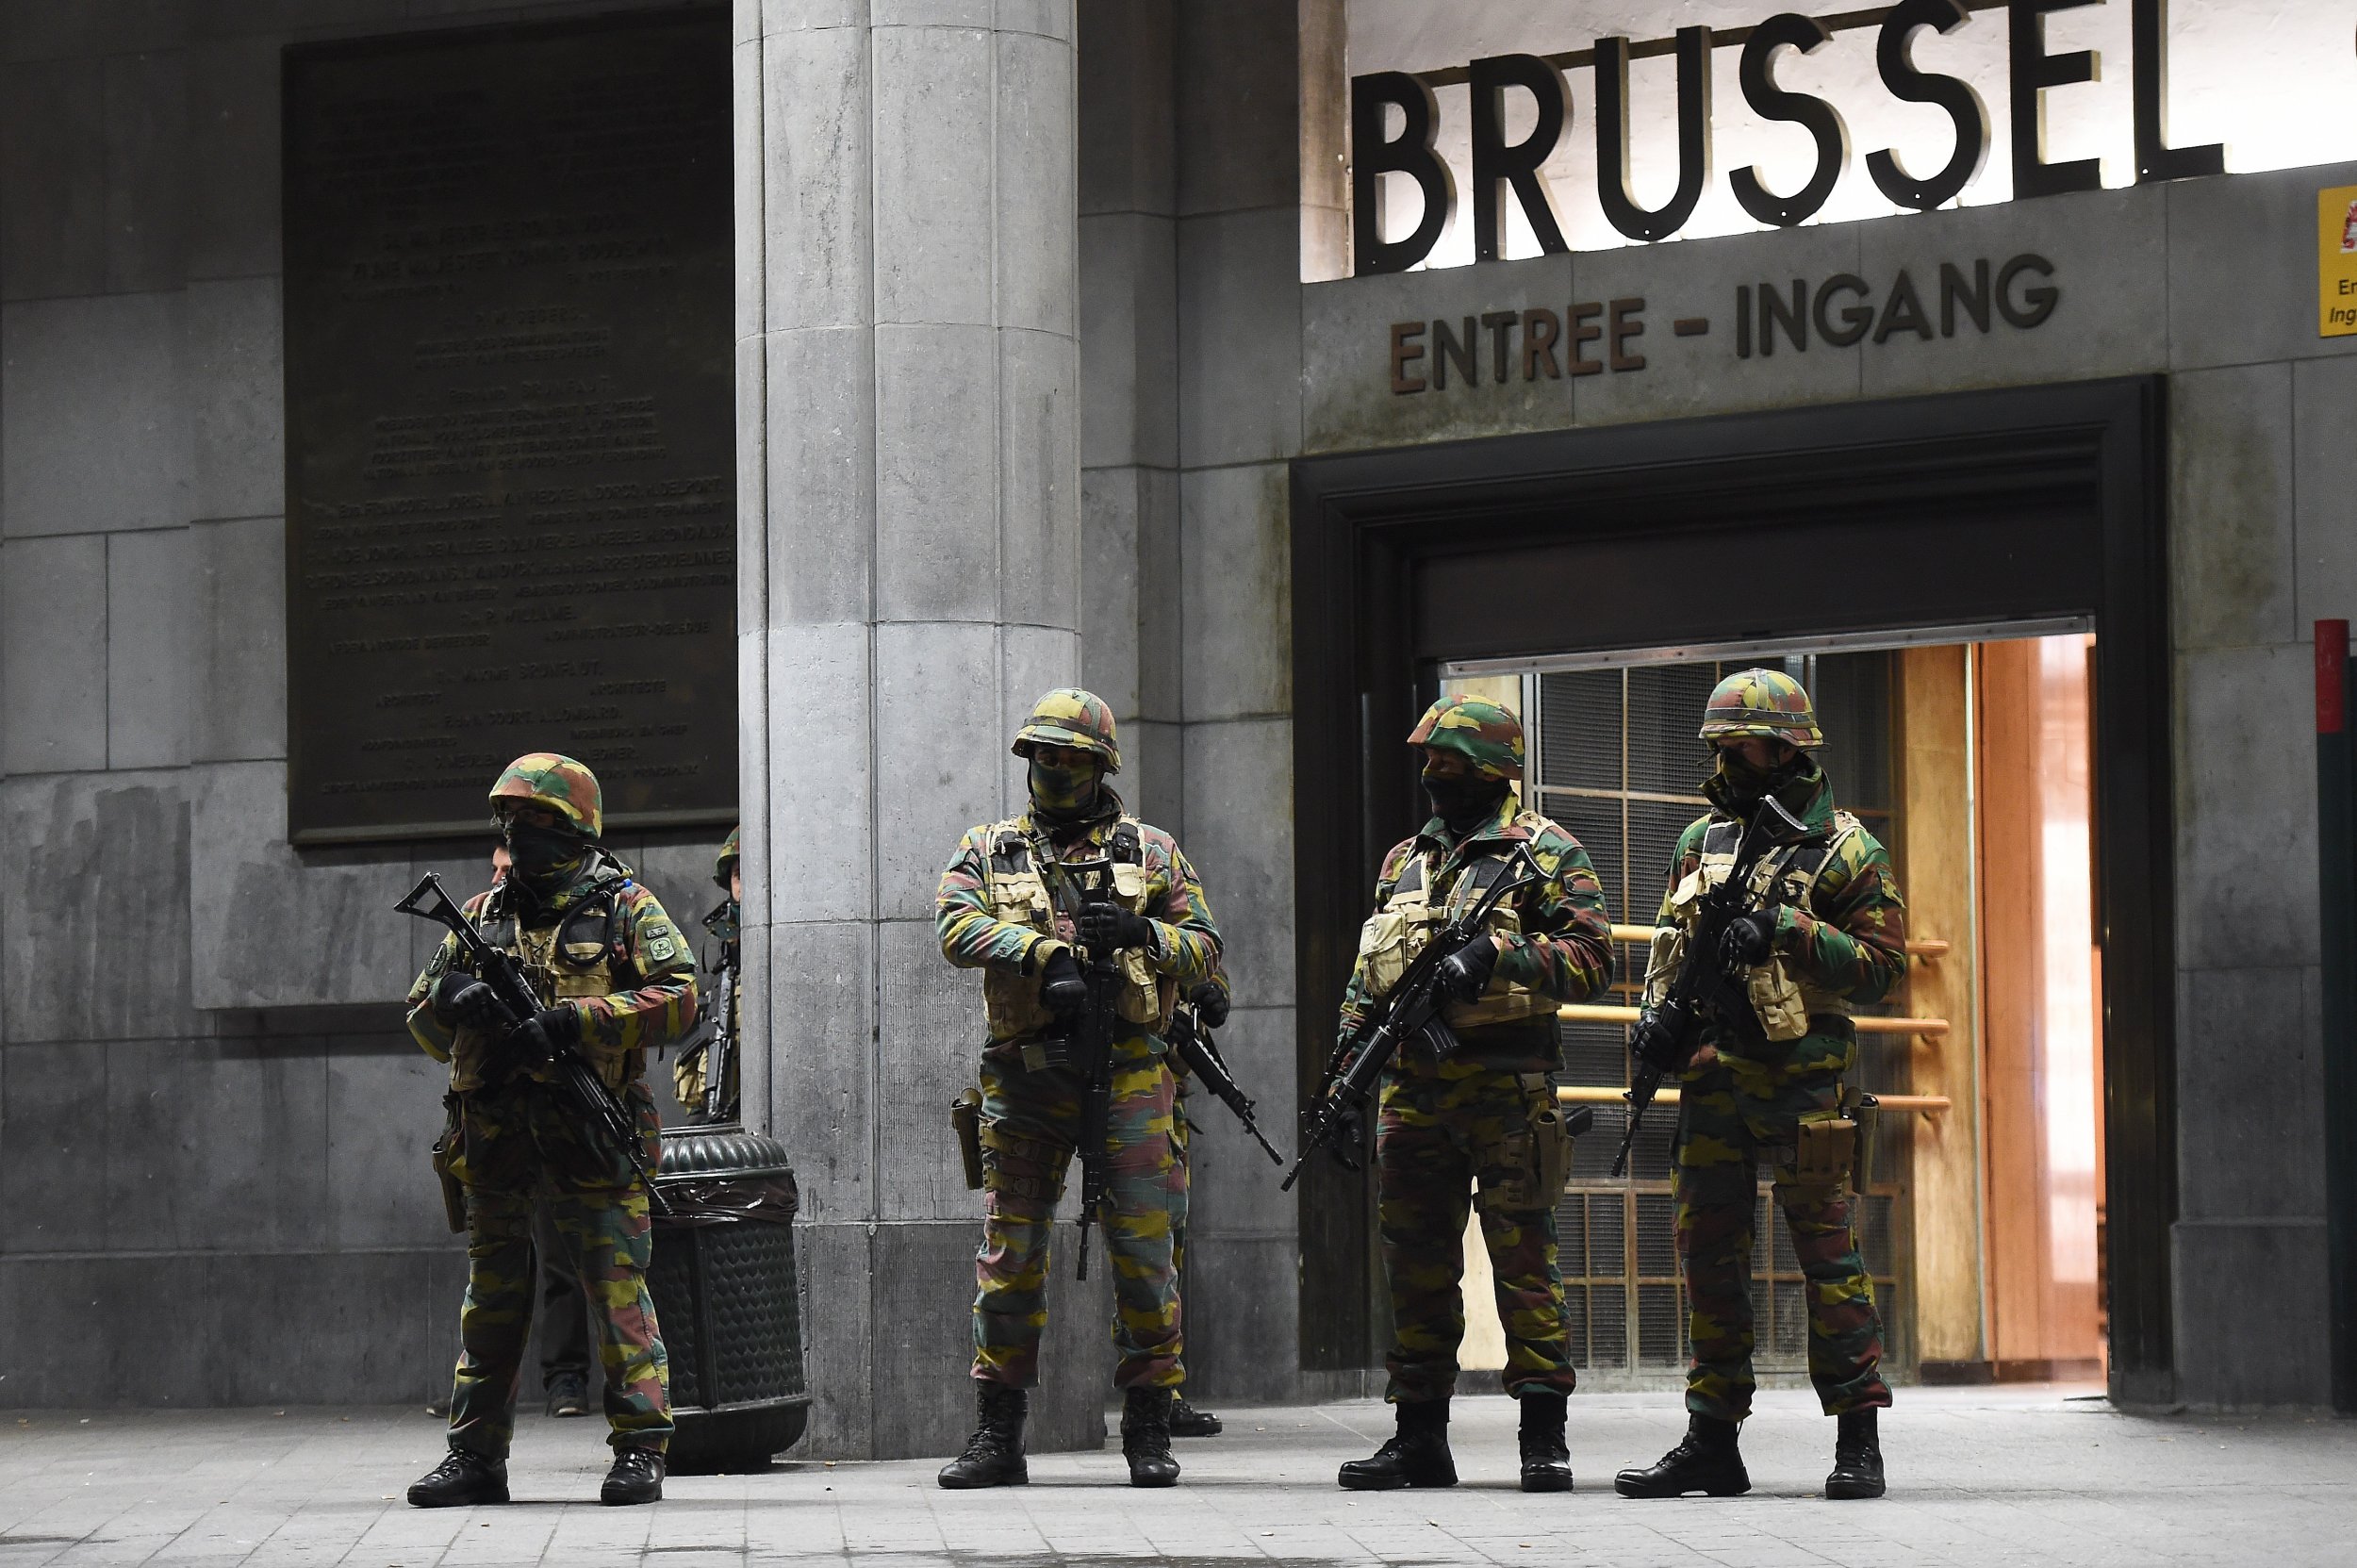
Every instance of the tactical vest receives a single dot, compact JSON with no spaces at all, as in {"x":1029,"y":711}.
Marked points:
{"x":1786,"y":874}
{"x":1397,"y":933}
{"x":1020,"y":895}
{"x":583,"y":953}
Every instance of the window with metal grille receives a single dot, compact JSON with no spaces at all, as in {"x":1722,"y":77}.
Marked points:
{"x":1617,"y":763}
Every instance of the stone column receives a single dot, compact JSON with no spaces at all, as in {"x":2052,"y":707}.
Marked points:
{"x":909,"y":549}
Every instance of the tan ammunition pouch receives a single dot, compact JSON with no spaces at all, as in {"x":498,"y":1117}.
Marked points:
{"x":966,"y":1123}
{"x":1781,"y":998}
{"x":1395,"y":934}
{"x":1832,"y":1148}
{"x":1019,"y":896}
{"x":1536,"y":1154}
{"x":445,"y":1155}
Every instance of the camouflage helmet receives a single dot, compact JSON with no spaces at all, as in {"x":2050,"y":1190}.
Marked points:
{"x":728,"y":857}
{"x":1070,"y":717}
{"x":1484,"y":735}
{"x":557,"y":781}
{"x":1764,"y":702}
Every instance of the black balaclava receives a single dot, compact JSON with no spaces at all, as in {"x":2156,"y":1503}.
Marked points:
{"x":1744,"y":782}
{"x":544,"y":860}
{"x":1061,"y":795}
{"x":1463,"y":800}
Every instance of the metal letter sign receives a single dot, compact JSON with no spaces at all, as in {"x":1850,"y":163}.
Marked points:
{"x":2032,"y":71}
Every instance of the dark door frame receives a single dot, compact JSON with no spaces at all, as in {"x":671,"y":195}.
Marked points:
{"x":1972,"y":507}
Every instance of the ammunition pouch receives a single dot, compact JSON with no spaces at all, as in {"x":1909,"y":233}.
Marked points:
{"x":1777,"y":1001}
{"x":1536,"y":1154}
{"x":965,"y":1122}
{"x":1824,"y":1154}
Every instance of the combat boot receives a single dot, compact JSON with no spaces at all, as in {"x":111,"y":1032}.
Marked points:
{"x":1186,"y":1421}
{"x":1705,"y":1460}
{"x":1417,"y":1454}
{"x":993,"y":1455}
{"x":1146,"y":1437}
{"x":1546,"y":1458}
{"x":636,"y":1476}
{"x":462,"y":1479}
{"x":1858,"y":1457}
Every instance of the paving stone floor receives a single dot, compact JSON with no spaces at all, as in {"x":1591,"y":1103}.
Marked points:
{"x":2012,"y":1476}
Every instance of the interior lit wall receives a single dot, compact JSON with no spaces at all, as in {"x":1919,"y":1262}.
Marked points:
{"x":2272,"y":80}
{"x":2041,"y":1077}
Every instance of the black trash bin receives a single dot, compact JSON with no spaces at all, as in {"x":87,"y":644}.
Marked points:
{"x":725,"y":1293}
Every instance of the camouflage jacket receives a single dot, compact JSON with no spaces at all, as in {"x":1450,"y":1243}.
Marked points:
{"x":1561,"y":950}
{"x":1186,"y":941}
{"x":1850,"y":941}
{"x":624,"y":968}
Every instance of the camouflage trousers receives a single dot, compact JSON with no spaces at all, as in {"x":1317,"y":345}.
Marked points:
{"x":1726,"y":1124}
{"x":1441,"y":1133}
{"x":518,"y":1153}
{"x":1030,"y":1121}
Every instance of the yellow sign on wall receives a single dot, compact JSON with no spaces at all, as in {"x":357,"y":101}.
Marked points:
{"x":2336,"y":261}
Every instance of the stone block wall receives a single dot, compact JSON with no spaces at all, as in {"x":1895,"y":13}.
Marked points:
{"x":212,"y":1123}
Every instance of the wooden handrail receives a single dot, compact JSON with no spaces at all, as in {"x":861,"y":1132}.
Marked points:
{"x":1604,"y":1012}
{"x":1587,"y":1094}
{"x":1924,"y":947}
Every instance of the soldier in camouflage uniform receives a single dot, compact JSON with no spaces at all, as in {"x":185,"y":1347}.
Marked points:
{"x":1830,"y":932}
{"x":1010,"y":904}
{"x":1488,"y":1114}
{"x":688,"y":1081}
{"x":616,"y":981}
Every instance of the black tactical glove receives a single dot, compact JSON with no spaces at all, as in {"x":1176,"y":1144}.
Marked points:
{"x":1465,"y":973}
{"x":459,"y":999}
{"x":1654,"y":1043}
{"x":1108,"y":927}
{"x":1747,"y":940}
{"x":538,"y":1038}
{"x":1209,"y":1003}
{"x":1060,"y":988}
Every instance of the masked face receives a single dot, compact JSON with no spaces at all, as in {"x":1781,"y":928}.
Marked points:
{"x":1062,"y":789}
{"x":1746,"y":780}
{"x":543,"y":857}
{"x":1463,"y":800}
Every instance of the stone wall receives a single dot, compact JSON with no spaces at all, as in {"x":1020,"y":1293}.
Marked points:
{"x":213,"y":1125}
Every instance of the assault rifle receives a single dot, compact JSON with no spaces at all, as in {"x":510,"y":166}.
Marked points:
{"x":1092,"y":1049}
{"x":577,"y":1083}
{"x":1701,"y":992}
{"x":1411,"y":1009}
{"x":1199,"y":1053}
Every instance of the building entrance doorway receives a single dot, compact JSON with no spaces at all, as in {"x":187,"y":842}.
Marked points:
{"x":1974,"y":587}
{"x":1982,"y":1210}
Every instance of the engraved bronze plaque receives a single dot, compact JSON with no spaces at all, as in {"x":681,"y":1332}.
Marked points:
{"x":510,"y":428}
